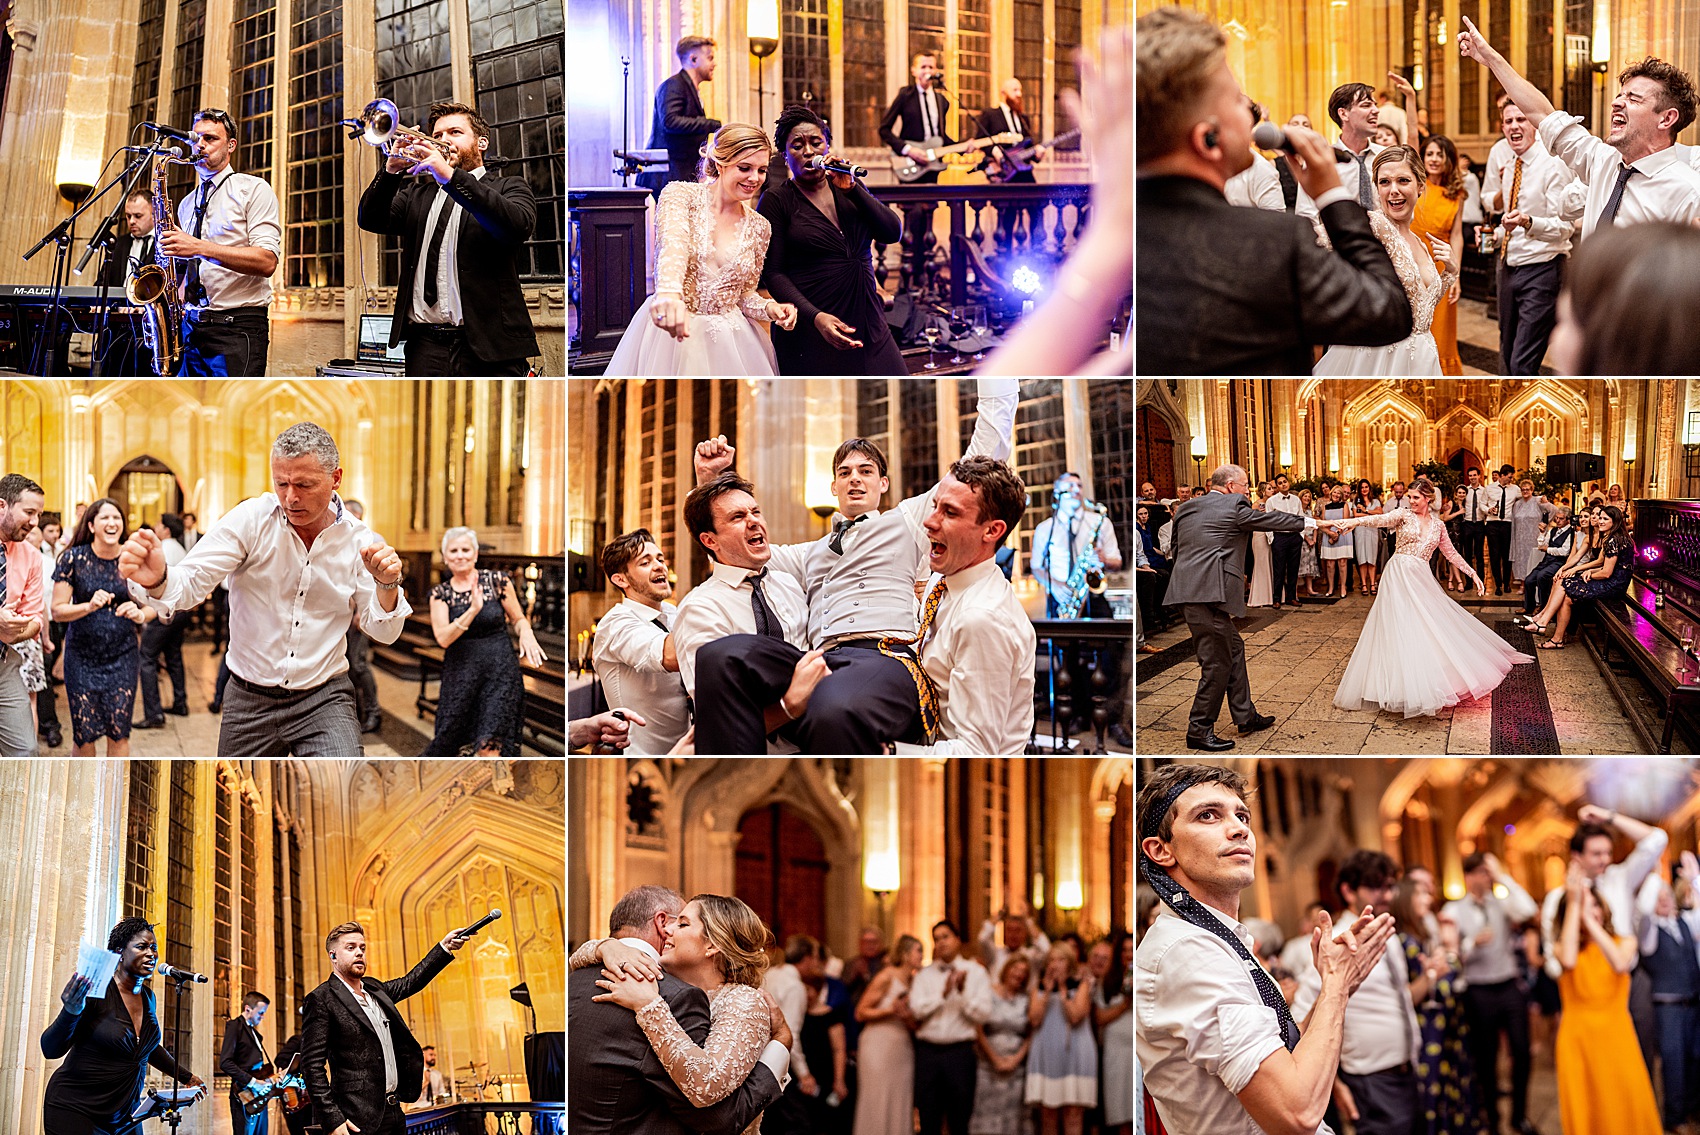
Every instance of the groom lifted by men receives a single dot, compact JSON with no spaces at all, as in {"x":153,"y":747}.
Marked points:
{"x":1208,"y":584}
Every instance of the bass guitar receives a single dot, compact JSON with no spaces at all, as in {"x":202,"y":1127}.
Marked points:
{"x":1020,"y":158}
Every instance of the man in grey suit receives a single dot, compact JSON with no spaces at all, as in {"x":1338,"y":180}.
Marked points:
{"x":1207,"y":582}
{"x":616,"y":1082}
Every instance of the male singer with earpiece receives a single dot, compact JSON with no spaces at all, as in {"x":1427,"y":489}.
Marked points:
{"x":358,"y":1056}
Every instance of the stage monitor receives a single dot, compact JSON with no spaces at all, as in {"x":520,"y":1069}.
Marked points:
{"x":1574,"y":468}
{"x":375,"y":339}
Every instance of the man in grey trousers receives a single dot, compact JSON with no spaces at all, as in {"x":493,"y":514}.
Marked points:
{"x":1207,"y":581}
{"x":300,"y":568}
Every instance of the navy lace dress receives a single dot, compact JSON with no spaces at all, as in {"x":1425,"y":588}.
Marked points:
{"x":479,"y":700}
{"x":101,"y":651}
{"x":1615,"y":585}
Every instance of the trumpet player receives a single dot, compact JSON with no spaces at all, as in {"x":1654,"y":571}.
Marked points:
{"x":459,"y":307}
{"x":1062,"y":540}
{"x":228,"y":231}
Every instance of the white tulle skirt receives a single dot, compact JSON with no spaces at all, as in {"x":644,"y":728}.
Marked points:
{"x":725,"y":345}
{"x":1420,"y":651}
{"x":1416,"y":355}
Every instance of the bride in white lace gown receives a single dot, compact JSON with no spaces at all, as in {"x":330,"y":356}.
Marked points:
{"x":1419,"y":650}
{"x":706,"y":316}
{"x":1399,"y":179}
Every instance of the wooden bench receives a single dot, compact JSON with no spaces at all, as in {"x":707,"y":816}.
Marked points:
{"x":1650,"y":639}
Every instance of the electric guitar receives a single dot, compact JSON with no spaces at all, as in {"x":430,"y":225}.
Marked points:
{"x":1016,"y":160}
{"x":908,"y":169}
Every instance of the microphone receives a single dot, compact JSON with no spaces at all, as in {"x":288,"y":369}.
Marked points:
{"x":1268,"y":136}
{"x":180,"y":974}
{"x":836,"y":165}
{"x":171,"y":132}
{"x":167,"y":150}
{"x":480,"y":924}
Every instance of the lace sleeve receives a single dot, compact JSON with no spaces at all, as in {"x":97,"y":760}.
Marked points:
{"x":1380,"y":520}
{"x":1452,"y":556}
{"x":752,"y":303}
{"x":672,"y":237}
{"x":585,"y":955}
{"x":709,"y":1074}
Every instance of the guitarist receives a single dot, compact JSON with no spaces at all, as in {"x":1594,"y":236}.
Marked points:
{"x":921,"y":112}
{"x":243,"y":1059}
{"x":1007,"y":116}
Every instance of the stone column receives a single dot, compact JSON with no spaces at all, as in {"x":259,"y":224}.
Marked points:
{"x":922,"y":903}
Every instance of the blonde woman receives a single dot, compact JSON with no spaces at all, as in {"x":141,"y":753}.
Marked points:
{"x":481,"y":694}
{"x":1062,"y":1061}
{"x":718,"y":945}
{"x":706,"y":316}
{"x":885,"y":1053}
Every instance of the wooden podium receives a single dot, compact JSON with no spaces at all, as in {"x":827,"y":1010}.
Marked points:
{"x":608,"y":261}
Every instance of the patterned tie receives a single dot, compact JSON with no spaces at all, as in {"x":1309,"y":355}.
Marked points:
{"x":1366,"y":196}
{"x":926,"y":693}
{"x":4,"y":649}
{"x":767,"y":623}
{"x":1616,"y":199}
{"x":1516,"y":187}
{"x":839,"y":528}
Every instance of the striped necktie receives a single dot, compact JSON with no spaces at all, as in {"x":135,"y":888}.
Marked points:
{"x":926,"y":693}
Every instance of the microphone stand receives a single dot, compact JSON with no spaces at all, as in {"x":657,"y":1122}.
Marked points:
{"x":104,"y":237}
{"x":174,"y":1114}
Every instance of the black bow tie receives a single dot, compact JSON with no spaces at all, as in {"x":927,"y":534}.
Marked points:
{"x":839,"y":528}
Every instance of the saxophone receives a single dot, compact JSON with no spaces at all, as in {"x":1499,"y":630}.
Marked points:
{"x":155,"y":287}
{"x":1088,"y":573}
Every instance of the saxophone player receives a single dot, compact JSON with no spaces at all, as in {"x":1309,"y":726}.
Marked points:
{"x":1063,"y":540}
{"x":228,"y":232}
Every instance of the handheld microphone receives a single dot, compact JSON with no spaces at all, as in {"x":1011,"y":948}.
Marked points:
{"x":480,"y":924}
{"x":171,"y":132}
{"x":836,"y":165}
{"x":180,"y":974}
{"x":1268,"y":136}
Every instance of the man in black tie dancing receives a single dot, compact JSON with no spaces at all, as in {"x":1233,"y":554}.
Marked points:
{"x":358,"y":1056}
{"x":243,"y":1058}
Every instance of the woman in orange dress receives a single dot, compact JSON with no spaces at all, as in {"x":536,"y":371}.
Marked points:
{"x":1603,"y":1086}
{"x":1440,"y":214}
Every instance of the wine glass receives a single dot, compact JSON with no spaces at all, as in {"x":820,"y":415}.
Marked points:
{"x":931,"y":334}
{"x":979,"y":320}
{"x":958,"y":328}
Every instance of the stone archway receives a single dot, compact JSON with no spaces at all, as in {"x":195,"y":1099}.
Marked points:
{"x":1159,"y":410}
{"x":1385,"y":434}
{"x":781,"y":871}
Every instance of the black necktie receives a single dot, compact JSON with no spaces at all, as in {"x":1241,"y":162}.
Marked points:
{"x":767,"y":623}
{"x":839,"y":528}
{"x":434,"y":252}
{"x":1616,"y":199}
{"x":661,"y":621}
{"x":195,"y":294}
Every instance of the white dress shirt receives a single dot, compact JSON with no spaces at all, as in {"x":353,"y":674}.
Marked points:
{"x":1257,"y":186}
{"x":174,"y":552}
{"x":1617,"y":885}
{"x":1348,"y":189}
{"x":1471,"y":214}
{"x":1381,"y":1023}
{"x":950,"y":1018}
{"x":1552,"y":196}
{"x":979,"y":652}
{"x":1496,"y":960}
{"x":1664,"y":188}
{"x":1285,"y":502}
{"x":627,"y":656}
{"x":1203,"y":1029}
{"x":241,"y":211}
{"x":787,"y":987}
{"x":1296,"y":956}
{"x":1650,"y":924}
{"x":448,"y":309}
{"x":380,"y":1025}
{"x":1050,"y":561}
{"x":1498,"y":497}
{"x":290,"y":606}
{"x":721,"y":605}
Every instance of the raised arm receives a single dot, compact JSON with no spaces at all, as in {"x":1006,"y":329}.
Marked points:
{"x":1472,"y":44}
{"x":711,"y":1072}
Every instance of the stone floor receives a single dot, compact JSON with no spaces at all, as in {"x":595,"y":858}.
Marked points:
{"x":1295,"y":665}
{"x":403,"y":733}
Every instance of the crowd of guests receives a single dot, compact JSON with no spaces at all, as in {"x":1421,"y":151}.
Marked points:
{"x":1345,"y":258}
{"x":1423,"y":1032}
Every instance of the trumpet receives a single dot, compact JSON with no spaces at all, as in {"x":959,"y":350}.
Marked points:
{"x":379,"y":125}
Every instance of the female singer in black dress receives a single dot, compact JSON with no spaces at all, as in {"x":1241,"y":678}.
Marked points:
{"x":111,"y":1040}
{"x":819,"y":258}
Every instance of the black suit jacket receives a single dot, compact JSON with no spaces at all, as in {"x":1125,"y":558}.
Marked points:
{"x":240,"y":1058}
{"x":338,"y":1034}
{"x":679,"y":125}
{"x":502,"y":213}
{"x":118,"y":260}
{"x":615,"y":1082}
{"x":905,"y":110}
{"x":1225,"y":290}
